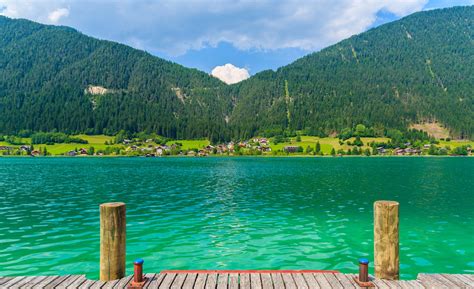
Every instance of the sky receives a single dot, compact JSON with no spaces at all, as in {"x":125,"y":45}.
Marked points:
{"x":250,"y":35}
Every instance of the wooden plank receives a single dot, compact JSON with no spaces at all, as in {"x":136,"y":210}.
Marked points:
{"x":288,"y":281}
{"x":402,"y":284}
{"x":321,"y":279}
{"x":464,"y":278}
{"x":449,"y":280}
{"x":377,"y":282}
{"x":200,"y":281}
{"x":267,"y":282}
{"x":5,"y":279}
{"x":255,"y":281}
{"x":345,"y":281}
{"x":98,"y":284}
{"x":13,"y":281}
{"x":410,"y":284}
{"x":32,"y":282}
{"x":222,"y":280}
{"x":111,"y":284}
{"x":416,"y":284}
{"x":123,"y":282}
{"x":444,"y":280}
{"x":149,"y":277}
{"x":155,"y":281}
{"x":56,"y":282}
{"x":78,"y":282}
{"x":300,"y":281}
{"x":312,"y":283}
{"x":169,"y":278}
{"x":75,"y":283}
{"x":333,"y":280}
{"x":380,"y":284}
{"x":277,"y":280}
{"x":211,"y":281}
{"x":68,"y":281}
{"x":351,"y":278}
{"x":87,"y":284}
{"x":233,"y":281}
{"x":189,"y":282}
{"x":43,"y":283}
{"x":24,"y":281}
{"x":178,"y":281}
{"x":468,"y":276}
{"x":428,"y":281}
{"x":392,"y":284}
{"x":244,"y":281}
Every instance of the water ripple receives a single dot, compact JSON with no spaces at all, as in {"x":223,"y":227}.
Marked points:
{"x":234,"y":213}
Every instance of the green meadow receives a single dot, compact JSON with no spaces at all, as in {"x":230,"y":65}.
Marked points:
{"x":96,"y":141}
{"x":190,"y":144}
{"x":326,"y":143}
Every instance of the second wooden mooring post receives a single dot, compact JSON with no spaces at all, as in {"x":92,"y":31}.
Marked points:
{"x":112,"y":241}
{"x":386,"y":240}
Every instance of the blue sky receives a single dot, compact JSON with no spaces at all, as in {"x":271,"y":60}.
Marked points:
{"x":252,"y":34}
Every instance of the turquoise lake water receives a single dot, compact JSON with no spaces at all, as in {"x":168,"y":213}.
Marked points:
{"x":235,"y":213}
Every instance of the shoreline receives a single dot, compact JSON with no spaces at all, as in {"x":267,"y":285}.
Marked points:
{"x":242,"y":156}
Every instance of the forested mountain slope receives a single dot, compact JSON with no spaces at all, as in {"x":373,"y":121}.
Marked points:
{"x":420,"y":68}
{"x":55,"y":78}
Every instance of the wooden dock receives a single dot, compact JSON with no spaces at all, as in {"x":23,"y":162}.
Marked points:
{"x":240,"y":280}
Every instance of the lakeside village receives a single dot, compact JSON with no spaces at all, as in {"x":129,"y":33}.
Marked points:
{"x":59,"y":144}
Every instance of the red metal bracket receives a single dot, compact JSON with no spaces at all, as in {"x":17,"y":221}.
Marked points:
{"x":363,"y":284}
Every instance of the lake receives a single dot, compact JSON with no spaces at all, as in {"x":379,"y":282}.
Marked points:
{"x":235,"y":213}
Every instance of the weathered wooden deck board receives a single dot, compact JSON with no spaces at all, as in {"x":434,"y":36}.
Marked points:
{"x":24,"y":281}
{"x":222,"y":281}
{"x":244,"y":280}
{"x":312,"y":283}
{"x":461,"y":277}
{"x":77,"y":283}
{"x":200,"y":281}
{"x":322,"y":281}
{"x":233,"y":281}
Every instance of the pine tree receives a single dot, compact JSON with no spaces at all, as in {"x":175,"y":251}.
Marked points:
{"x":318,"y":147}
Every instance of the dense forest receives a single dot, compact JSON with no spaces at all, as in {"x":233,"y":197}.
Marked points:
{"x":419,"y":68}
{"x":46,"y":75}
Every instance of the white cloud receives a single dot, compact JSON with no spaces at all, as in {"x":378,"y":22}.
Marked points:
{"x":49,"y":12}
{"x":174,"y":27}
{"x":230,"y":74}
{"x":57,"y":14}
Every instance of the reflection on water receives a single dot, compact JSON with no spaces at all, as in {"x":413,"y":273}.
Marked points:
{"x":234,"y":213}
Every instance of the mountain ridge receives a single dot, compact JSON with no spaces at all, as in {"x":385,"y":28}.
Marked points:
{"x":405,"y":70}
{"x":416,"y":69}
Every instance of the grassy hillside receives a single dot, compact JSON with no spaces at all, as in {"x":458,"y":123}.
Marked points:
{"x":327,"y":144}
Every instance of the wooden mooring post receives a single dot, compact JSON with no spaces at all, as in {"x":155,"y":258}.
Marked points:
{"x":112,"y":241}
{"x":386,"y":240}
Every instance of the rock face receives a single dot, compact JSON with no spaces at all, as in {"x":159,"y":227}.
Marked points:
{"x":96,"y":90}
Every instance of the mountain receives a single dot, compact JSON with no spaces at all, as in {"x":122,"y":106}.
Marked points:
{"x":417,"y":69}
{"x":55,"y":78}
